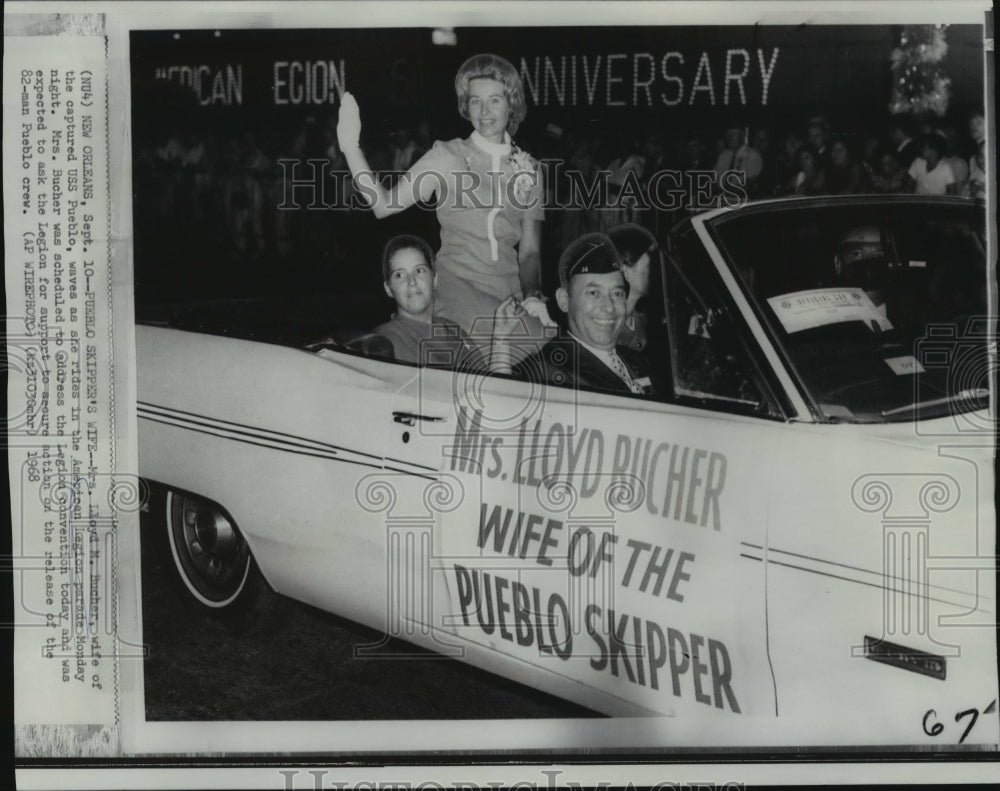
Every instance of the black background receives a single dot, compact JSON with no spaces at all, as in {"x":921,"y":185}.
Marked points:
{"x":403,"y":80}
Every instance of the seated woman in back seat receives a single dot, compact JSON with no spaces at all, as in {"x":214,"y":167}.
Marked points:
{"x":416,"y":334}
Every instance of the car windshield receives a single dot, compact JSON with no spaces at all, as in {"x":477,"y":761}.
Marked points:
{"x":878,"y":307}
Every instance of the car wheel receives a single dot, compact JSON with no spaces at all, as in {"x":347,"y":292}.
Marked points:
{"x":211,"y":565}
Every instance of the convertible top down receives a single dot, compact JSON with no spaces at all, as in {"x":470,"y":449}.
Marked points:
{"x":800,"y":535}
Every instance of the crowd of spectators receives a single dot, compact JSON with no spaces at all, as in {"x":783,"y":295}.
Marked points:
{"x":228,"y":195}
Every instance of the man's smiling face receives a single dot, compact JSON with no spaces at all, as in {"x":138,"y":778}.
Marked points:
{"x":595,"y":307}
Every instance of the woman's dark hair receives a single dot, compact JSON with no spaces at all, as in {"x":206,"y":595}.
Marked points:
{"x":937,"y":142}
{"x":885,"y":151}
{"x":632,"y":242}
{"x":810,"y":149}
{"x":405,"y":242}
{"x":492,"y":67}
{"x":902,"y":122}
{"x":845,"y":141}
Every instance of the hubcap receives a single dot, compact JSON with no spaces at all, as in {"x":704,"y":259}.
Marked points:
{"x":211,"y":555}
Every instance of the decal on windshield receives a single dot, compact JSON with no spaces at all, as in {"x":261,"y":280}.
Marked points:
{"x":907,"y":364}
{"x":805,"y":310}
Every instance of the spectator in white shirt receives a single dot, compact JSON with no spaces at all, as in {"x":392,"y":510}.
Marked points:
{"x":930,"y":173}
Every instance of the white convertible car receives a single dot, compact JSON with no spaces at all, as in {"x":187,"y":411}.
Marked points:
{"x":794,"y":541}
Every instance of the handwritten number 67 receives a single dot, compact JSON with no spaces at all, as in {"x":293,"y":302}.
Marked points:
{"x":934,"y":728}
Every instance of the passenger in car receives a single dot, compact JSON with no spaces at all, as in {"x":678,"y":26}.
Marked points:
{"x":593,"y":294}
{"x":416,"y":334}
{"x":862,"y":260}
{"x":637,"y":248}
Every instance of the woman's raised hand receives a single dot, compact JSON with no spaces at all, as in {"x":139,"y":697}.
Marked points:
{"x":349,"y":123}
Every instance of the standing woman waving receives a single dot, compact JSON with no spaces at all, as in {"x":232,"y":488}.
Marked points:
{"x":488,"y":195}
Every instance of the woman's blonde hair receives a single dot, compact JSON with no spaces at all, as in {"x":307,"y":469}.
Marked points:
{"x":492,"y":67}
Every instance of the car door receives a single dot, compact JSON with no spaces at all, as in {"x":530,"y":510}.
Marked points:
{"x":404,"y":502}
{"x":330,"y":543}
{"x":281,"y":439}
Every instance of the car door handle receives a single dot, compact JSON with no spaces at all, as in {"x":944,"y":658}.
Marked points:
{"x":411,"y":418}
